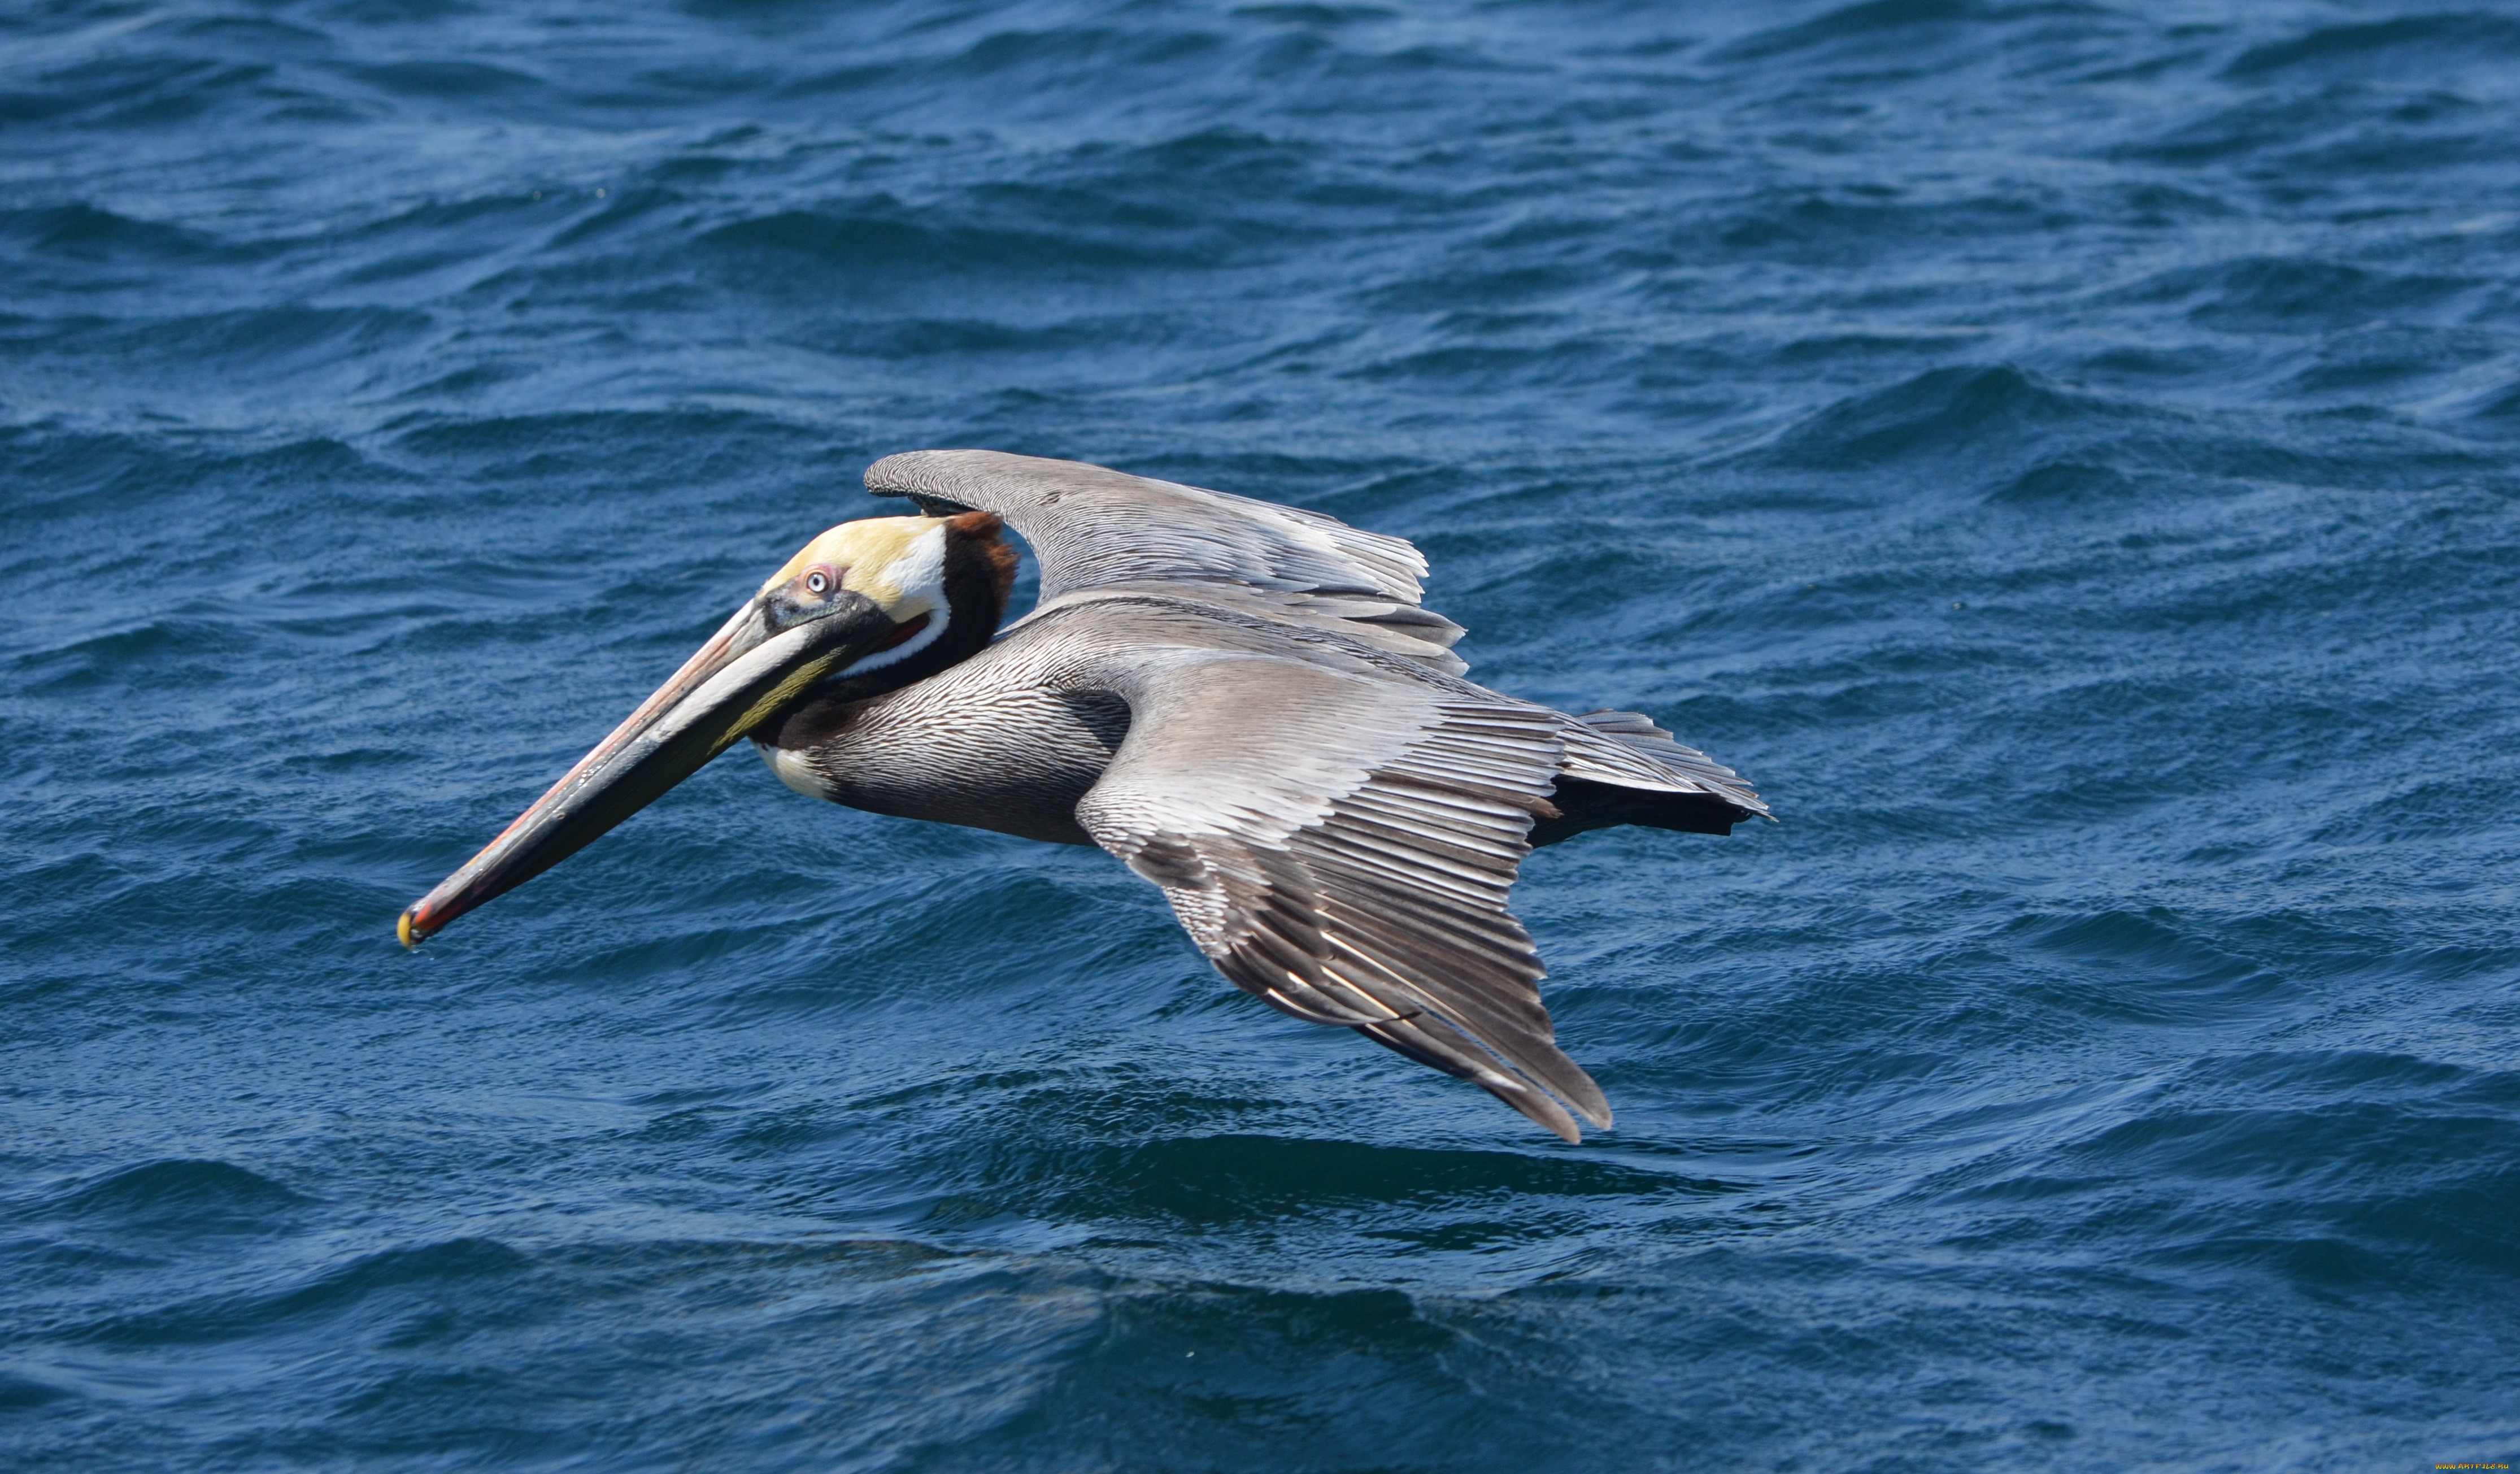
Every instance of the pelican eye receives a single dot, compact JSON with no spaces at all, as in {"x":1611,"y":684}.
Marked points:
{"x":821,"y":580}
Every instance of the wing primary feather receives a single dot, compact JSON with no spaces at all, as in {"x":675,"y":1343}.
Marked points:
{"x":1419,"y":1042}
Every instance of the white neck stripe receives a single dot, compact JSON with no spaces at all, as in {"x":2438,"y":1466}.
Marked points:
{"x":936,"y":623}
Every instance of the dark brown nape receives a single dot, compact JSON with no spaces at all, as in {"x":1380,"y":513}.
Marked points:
{"x":984,"y":533}
{"x":979,"y":579}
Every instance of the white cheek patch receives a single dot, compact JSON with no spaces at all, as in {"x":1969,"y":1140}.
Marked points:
{"x":919,"y":576}
{"x":911,"y":581}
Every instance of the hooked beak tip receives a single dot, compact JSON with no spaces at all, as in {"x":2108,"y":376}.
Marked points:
{"x":402,"y":930}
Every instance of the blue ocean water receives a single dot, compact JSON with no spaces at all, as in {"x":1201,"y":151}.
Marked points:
{"x":2068,"y":455}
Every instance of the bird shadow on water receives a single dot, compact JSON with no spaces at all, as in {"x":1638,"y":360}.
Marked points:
{"x":1432,"y":1199}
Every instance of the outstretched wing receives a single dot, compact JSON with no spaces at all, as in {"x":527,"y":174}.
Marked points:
{"x":1341,"y":846}
{"x":1094,"y":530}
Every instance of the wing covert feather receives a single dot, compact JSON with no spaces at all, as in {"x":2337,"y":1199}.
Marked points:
{"x":1093,"y":528}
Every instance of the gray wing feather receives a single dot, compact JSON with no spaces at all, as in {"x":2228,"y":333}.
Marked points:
{"x":1096,"y":529}
{"x":1343,"y":847}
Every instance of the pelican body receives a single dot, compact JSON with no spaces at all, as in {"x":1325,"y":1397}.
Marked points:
{"x":1245,"y":702}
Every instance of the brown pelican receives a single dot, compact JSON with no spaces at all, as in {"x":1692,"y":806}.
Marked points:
{"x":1244,"y":701}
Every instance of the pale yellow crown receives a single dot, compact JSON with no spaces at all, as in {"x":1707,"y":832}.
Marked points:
{"x":898,"y":561}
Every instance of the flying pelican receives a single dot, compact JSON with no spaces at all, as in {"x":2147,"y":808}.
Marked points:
{"x":1244,"y":701}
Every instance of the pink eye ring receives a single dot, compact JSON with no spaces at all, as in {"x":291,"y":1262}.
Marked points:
{"x":822,"y":578}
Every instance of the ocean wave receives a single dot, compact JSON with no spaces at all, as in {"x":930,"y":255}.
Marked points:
{"x":187,"y":1196}
{"x":2404,"y":41}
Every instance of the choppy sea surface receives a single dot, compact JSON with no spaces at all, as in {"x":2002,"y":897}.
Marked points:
{"x":2067,"y":455}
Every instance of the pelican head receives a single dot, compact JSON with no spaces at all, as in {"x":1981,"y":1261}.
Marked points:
{"x":866,"y":606}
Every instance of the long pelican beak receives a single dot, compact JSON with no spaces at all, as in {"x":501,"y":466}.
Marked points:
{"x":758,"y":663}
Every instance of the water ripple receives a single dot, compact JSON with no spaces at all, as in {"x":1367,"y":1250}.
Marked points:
{"x":2063,"y":453}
